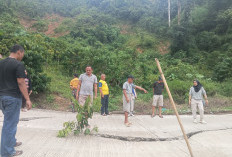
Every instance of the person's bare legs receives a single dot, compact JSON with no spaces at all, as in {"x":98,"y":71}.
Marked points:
{"x":153,"y":111}
{"x":160,"y":112}
{"x":126,"y":118}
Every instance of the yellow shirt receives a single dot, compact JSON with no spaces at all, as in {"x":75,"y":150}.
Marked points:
{"x":74,"y":83}
{"x":104,"y":87}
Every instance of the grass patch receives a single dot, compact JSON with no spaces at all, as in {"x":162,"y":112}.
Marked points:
{"x":59,"y":81}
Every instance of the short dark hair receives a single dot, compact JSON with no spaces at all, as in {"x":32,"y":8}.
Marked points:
{"x":75,"y":75}
{"x":130,"y":76}
{"x":16,"y":48}
{"x":89,"y":66}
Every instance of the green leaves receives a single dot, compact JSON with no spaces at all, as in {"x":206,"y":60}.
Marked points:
{"x":81,"y":125}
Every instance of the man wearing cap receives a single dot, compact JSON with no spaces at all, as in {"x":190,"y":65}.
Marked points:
{"x":128,"y":97}
{"x":158,"y":88}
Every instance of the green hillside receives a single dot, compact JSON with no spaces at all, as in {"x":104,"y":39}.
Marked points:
{"x":121,"y":37}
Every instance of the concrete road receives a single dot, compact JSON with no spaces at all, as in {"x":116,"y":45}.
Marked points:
{"x":147,"y":137}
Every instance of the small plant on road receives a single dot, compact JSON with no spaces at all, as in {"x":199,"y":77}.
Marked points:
{"x":81,"y":125}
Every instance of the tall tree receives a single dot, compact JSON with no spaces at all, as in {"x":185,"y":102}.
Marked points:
{"x":179,"y":11}
{"x":169,"y":13}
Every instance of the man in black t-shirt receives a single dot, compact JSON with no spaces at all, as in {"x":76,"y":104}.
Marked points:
{"x":12,"y":87}
{"x":158,"y":88}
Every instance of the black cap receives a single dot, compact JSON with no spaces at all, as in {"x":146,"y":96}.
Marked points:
{"x":75,"y":75}
{"x":130,"y":76}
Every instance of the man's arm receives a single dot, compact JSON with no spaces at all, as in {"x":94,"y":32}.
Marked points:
{"x":95,"y":90}
{"x":140,"y":88}
{"x":102,"y":95}
{"x":23,"y":88}
{"x":78,"y":89}
{"x":124,"y":92}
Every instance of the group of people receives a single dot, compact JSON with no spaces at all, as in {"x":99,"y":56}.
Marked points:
{"x":82,"y":88}
{"x":15,"y":88}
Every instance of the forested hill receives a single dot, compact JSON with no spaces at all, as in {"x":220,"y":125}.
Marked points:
{"x":121,"y":37}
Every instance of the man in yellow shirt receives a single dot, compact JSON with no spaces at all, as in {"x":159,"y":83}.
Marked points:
{"x":73,"y":85}
{"x":104,"y":90}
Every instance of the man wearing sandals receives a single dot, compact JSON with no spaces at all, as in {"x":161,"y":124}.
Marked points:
{"x":158,"y":88}
{"x":12,"y":87}
{"x":128,"y":97}
{"x":87,"y":82}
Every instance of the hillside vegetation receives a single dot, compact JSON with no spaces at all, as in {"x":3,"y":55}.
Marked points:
{"x":121,"y":37}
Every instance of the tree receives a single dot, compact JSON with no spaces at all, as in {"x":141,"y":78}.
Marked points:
{"x":179,"y":11}
{"x":169,"y":13}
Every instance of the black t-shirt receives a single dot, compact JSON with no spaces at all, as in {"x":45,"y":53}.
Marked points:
{"x":10,"y":70}
{"x":158,"y":88}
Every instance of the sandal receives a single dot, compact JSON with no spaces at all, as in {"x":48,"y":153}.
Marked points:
{"x":128,"y":124}
{"x":152,"y":116}
{"x":18,"y":152}
{"x":18,"y":144}
{"x":161,"y":116}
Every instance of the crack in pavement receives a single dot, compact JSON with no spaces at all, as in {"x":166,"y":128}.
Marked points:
{"x":144,"y":139}
{"x":32,"y":118}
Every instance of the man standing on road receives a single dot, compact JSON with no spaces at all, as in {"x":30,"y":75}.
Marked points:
{"x":128,"y":97}
{"x":158,"y":88}
{"x":104,"y":90}
{"x":86,"y":83}
{"x":12,"y":87}
{"x":196,"y":94}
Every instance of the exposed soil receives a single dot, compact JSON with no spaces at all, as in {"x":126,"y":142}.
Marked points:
{"x":139,"y":50}
{"x":54,"y":21}
{"x":215,"y":106}
{"x":164,"y":47}
{"x":27,"y":23}
{"x":124,"y":29}
{"x":52,"y":102}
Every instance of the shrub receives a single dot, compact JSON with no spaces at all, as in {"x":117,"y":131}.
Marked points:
{"x":84,"y":113}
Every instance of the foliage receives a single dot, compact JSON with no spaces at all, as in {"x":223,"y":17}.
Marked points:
{"x":81,"y":125}
{"x":123,"y":37}
{"x":40,"y":26}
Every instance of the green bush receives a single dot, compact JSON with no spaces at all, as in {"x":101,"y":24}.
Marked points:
{"x":180,"y":90}
{"x":41,"y":26}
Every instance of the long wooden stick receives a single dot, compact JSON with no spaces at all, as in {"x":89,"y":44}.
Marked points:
{"x":174,"y":107}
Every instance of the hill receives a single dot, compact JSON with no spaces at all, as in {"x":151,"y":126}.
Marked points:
{"x":119,"y":38}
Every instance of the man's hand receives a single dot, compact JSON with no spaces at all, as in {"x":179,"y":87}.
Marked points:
{"x":29,"y":104}
{"x":95,"y":97}
{"x":127,"y":100}
{"x":77,"y":97}
{"x":206,"y":102}
{"x":102,"y":95}
{"x":189,"y":102}
{"x":145,"y":91}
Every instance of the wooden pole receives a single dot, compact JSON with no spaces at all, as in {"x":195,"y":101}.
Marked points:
{"x":174,"y":107}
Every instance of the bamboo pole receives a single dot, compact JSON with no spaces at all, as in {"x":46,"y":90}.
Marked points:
{"x":174,"y":107}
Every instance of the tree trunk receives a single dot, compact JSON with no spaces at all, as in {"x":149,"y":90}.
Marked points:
{"x":179,"y":11}
{"x":169,"y":13}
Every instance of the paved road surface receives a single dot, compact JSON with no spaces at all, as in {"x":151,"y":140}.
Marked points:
{"x":147,"y":137}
